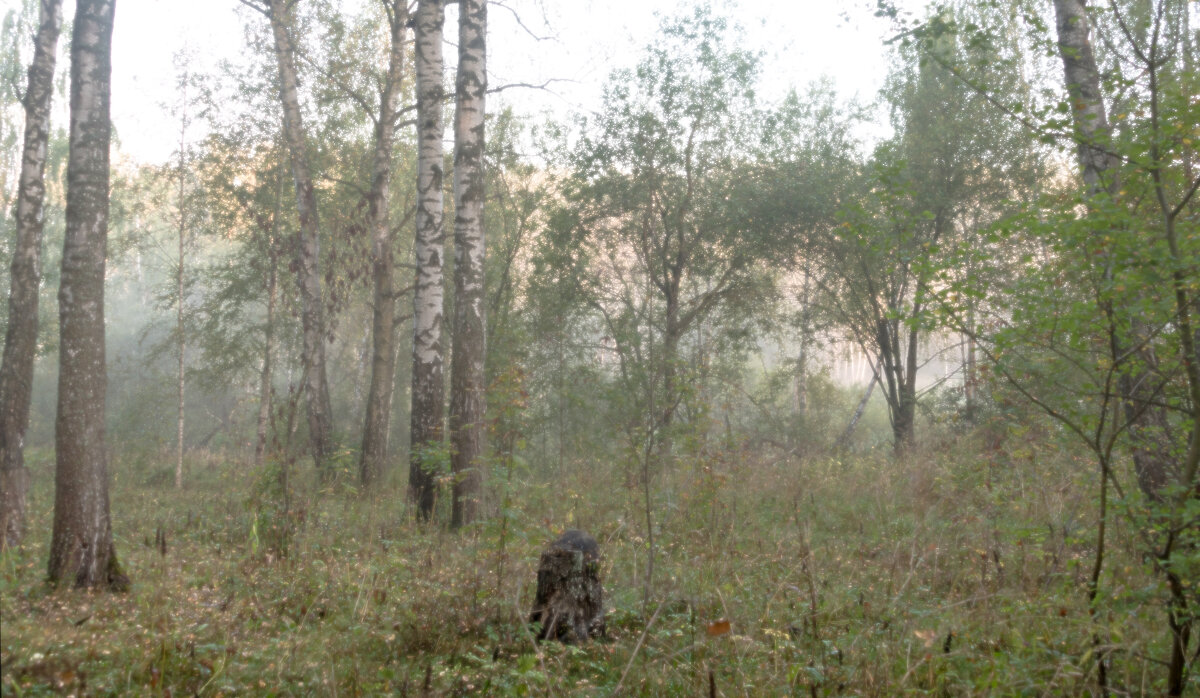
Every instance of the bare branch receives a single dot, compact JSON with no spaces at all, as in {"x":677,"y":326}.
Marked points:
{"x":517,"y":17}
{"x":257,"y":6}
{"x":1186,"y":198}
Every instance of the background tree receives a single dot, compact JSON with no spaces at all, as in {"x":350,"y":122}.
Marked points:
{"x":308,"y":248}
{"x":658,"y":195}
{"x":81,"y":550}
{"x":467,"y":375}
{"x":931,"y":187}
{"x":20,"y":339}
{"x":383,"y":332}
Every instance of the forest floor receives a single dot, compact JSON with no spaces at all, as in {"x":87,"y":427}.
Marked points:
{"x":955,"y":572}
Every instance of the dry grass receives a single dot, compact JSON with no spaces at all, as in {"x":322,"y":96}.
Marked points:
{"x":954,"y":573}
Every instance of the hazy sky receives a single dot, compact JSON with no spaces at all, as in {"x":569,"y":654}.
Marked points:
{"x":582,"y":41}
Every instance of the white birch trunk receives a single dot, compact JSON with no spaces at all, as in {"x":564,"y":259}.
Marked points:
{"x":428,"y":379}
{"x":81,"y":548}
{"x":467,"y":369}
{"x":20,"y":339}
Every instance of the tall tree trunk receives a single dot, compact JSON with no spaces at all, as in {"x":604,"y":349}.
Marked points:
{"x":181,"y":340}
{"x":467,"y":370}
{"x":1148,"y":423}
{"x":383,"y":360}
{"x":1154,"y":453}
{"x":20,"y":340}
{"x":428,"y":380}
{"x":308,"y":244}
{"x":81,"y":549}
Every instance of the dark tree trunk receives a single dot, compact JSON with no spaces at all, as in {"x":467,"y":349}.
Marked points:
{"x":20,"y":340}
{"x":308,"y":244}
{"x":81,"y":550}
{"x":383,"y":360}
{"x":428,"y":380}
{"x":570,"y":597}
{"x":899,"y":381}
{"x":467,"y":366}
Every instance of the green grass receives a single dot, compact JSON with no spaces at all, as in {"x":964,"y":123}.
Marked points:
{"x":952,"y":573}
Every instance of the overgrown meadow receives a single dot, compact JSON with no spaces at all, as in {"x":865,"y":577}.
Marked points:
{"x":960,"y":570}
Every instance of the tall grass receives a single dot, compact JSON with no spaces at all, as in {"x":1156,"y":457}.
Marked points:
{"x":959,"y":571}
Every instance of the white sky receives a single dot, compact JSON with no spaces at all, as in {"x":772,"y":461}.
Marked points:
{"x":802,"y":40}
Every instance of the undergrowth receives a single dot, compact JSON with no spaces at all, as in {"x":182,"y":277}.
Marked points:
{"x":959,"y":571}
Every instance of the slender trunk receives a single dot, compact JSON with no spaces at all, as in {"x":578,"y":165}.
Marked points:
{"x":81,"y":549}
{"x":182,"y":383}
{"x":971,"y":368}
{"x":266,"y":378}
{"x":20,"y":339}
{"x":181,"y":341}
{"x":844,"y":440}
{"x":308,"y":244}
{"x":906,"y":416}
{"x":383,"y":361}
{"x":264,"y":381}
{"x":467,"y":367}
{"x":428,"y":380}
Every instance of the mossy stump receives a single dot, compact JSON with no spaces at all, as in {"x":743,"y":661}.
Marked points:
{"x":570,"y":597}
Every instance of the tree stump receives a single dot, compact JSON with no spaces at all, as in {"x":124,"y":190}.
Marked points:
{"x":570,"y":598}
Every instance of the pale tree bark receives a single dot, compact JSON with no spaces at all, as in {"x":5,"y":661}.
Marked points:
{"x":428,"y":380}
{"x":383,"y":360}
{"x":81,"y":550}
{"x":1083,"y":84}
{"x":466,"y":369}
{"x":308,"y":243}
{"x":1149,"y":427}
{"x":20,"y":339}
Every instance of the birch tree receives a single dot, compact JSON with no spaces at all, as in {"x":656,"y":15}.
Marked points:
{"x":1142,"y":342}
{"x":383,"y":360}
{"x":428,"y":381}
{"x":308,"y":245}
{"x":20,"y":339}
{"x":467,"y":365}
{"x":81,"y":549}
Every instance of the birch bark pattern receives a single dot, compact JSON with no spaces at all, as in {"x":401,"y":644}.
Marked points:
{"x":466,"y":368}
{"x":308,"y":245}
{"x":428,"y":379}
{"x":81,"y":549}
{"x":383,"y":360}
{"x":20,"y":339}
